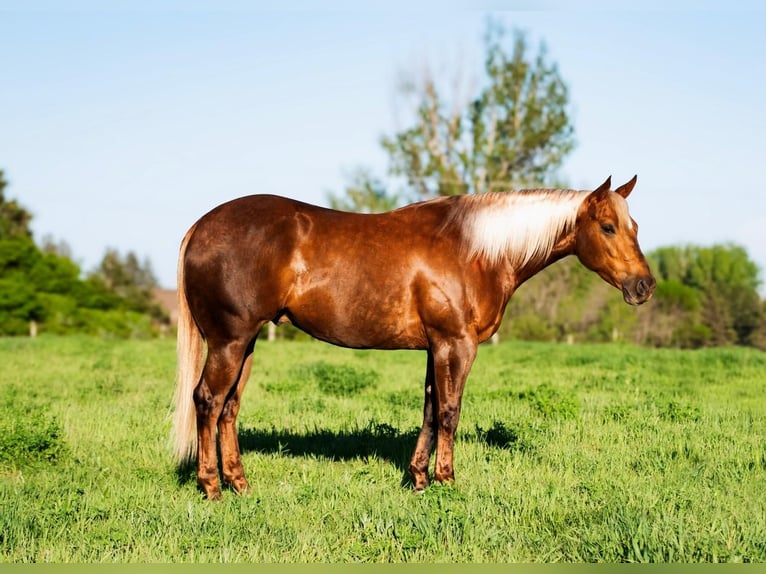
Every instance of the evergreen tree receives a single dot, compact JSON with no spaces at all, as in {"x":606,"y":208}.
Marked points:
{"x":44,"y":288}
{"x":14,"y":219}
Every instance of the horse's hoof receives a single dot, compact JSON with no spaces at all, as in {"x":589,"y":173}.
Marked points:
{"x":241,"y":487}
{"x":212,"y":491}
{"x":215,"y":495}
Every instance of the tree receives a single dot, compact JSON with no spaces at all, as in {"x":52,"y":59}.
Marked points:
{"x":365,"y":194}
{"x":758,"y":337}
{"x":14,"y":219}
{"x":130,"y":279}
{"x":674,"y":319}
{"x":54,"y":247}
{"x":514,"y":133}
{"x":43,"y":286}
{"x":705,"y":296}
{"x":726,"y":283}
{"x":19,"y":301}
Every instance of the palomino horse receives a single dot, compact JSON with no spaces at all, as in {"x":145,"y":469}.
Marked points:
{"x":434,"y":276}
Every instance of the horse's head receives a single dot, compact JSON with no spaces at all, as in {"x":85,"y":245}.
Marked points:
{"x":607,"y":243}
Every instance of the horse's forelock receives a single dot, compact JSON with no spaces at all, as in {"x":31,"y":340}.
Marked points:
{"x":620,"y":206}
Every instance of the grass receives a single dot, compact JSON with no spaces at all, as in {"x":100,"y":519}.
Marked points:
{"x":597,"y":453}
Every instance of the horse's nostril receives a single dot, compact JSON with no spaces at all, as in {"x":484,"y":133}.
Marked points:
{"x":644,"y":287}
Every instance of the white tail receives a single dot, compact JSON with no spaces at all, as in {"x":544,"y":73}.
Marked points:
{"x":189,"y":354}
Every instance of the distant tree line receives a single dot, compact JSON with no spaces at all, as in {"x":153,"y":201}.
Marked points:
{"x":706,"y":296}
{"x":42,"y":288}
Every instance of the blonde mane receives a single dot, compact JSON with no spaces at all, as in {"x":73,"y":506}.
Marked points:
{"x":521,"y":225}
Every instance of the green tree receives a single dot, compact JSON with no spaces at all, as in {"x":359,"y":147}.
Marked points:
{"x":19,"y":300}
{"x":726,"y":283}
{"x":44,"y":287}
{"x":674,"y":317}
{"x":515,"y":132}
{"x":364,"y":194}
{"x":14,"y":219}
{"x":758,"y":336}
{"x":130,"y":279}
{"x":706,"y":296}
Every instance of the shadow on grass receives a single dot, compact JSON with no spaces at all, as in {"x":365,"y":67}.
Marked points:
{"x":376,"y":440}
{"x":186,"y":472}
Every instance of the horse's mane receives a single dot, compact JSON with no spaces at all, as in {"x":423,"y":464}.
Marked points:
{"x":521,"y":225}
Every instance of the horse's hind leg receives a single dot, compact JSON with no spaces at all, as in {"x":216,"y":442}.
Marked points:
{"x":222,"y":371}
{"x":231,"y":460}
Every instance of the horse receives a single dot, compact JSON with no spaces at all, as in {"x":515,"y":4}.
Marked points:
{"x":434,"y":276}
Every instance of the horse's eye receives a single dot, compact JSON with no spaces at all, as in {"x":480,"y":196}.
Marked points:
{"x":607,"y":228}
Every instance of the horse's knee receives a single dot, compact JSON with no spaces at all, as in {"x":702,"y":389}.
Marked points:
{"x":448,"y":417}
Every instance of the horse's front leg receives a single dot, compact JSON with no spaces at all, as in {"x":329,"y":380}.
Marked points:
{"x":452,"y":362}
{"x":422,"y":455}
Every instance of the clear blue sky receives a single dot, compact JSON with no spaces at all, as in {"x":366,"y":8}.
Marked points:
{"x":121,"y":127}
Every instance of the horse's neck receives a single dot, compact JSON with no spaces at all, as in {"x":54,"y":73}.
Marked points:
{"x":563,"y":247}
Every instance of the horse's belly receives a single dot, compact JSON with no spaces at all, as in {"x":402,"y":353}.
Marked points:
{"x":359,"y":326}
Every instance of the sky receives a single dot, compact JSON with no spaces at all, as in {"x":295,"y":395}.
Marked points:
{"x":121,"y":127}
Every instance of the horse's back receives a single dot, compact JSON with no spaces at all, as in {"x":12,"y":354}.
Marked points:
{"x":264,"y":222}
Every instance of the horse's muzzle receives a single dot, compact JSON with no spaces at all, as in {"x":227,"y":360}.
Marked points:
{"x":639,"y":289}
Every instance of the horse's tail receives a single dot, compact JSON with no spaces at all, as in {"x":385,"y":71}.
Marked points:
{"x":189,"y":354}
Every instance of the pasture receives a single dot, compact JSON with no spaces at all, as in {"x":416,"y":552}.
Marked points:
{"x":591,"y":453}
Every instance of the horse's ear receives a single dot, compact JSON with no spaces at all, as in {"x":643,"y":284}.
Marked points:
{"x":604,"y":187}
{"x":625,"y":189}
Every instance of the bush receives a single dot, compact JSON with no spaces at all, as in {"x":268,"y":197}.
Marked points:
{"x":691,"y":336}
{"x":551,"y":403}
{"x":530,"y":327}
{"x":29,"y":437}
{"x":339,"y":380}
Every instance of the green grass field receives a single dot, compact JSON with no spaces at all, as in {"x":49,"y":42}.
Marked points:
{"x":564,"y":453}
